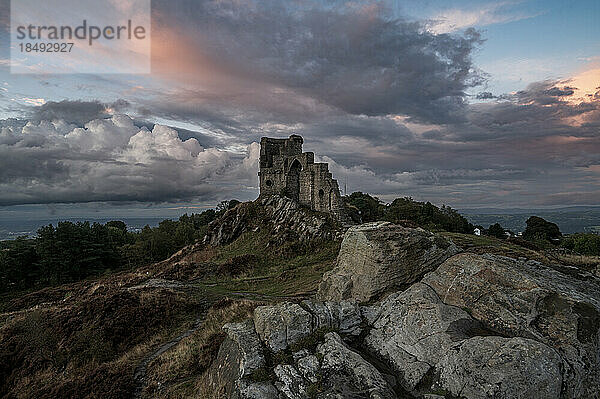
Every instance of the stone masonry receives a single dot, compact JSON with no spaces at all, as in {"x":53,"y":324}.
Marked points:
{"x":286,"y":170}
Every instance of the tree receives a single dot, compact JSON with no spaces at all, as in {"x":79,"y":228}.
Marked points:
{"x":18,"y":260}
{"x":427,"y":215}
{"x":369,"y":208}
{"x":72,"y":251}
{"x":540,"y":229}
{"x":117,"y":224}
{"x":496,"y":230}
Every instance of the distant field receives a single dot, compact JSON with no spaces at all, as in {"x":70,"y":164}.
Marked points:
{"x":569,"y":220}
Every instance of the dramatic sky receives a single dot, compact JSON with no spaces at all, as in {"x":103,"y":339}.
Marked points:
{"x":464,"y":103}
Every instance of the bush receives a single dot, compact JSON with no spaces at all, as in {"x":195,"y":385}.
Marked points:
{"x":364,"y":208}
{"x":427,"y":215}
{"x":496,"y":230}
{"x":583,"y":243}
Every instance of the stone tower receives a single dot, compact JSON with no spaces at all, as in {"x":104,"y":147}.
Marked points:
{"x":286,"y":170}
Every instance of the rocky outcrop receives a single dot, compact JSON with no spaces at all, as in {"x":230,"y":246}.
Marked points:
{"x":413,"y":329}
{"x":348,"y":374}
{"x":475,"y":326}
{"x":437,"y":347}
{"x":559,"y":307}
{"x":313,"y":362}
{"x":344,"y":316}
{"x":376,"y":257}
{"x":410,"y":343}
{"x":240,"y":355}
{"x":282,"y":325}
{"x":286,"y":219}
{"x":285,"y":324}
{"x":288,"y":216}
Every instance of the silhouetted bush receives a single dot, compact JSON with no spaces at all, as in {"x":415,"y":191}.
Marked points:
{"x":540,"y":229}
{"x":496,"y":230}
{"x":364,"y":208}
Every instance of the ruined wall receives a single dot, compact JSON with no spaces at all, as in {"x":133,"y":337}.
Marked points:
{"x":286,"y":170}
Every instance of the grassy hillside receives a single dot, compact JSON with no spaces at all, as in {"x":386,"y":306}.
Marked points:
{"x":102,"y":337}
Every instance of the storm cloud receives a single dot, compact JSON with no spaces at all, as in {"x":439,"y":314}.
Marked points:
{"x":114,"y":160}
{"x":388,"y":103}
{"x":350,"y":57}
{"x":75,"y":111}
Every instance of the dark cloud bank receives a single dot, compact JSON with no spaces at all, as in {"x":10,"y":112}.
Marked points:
{"x":384,"y":101}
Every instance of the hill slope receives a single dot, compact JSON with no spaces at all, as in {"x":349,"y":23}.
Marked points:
{"x":156,"y":330}
{"x":102,"y":338}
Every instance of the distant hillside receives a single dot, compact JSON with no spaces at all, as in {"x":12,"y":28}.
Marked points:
{"x":570,"y":219}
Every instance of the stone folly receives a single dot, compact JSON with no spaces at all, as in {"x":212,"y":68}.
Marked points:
{"x":286,"y":170}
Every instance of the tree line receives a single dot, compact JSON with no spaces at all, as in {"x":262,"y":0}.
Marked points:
{"x":364,"y":208}
{"x":72,"y":251}
{"x":545,"y":234}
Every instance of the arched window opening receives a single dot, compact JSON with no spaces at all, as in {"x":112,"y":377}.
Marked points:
{"x":293,"y":180}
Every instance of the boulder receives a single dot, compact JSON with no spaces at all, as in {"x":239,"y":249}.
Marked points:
{"x":282,"y":325}
{"x":376,"y":257}
{"x":246,"y":351}
{"x":309,"y":367}
{"x":557,"y":306}
{"x":344,"y":316}
{"x":240,"y":354}
{"x":497,"y":367}
{"x":413,"y":329}
{"x":255,"y":390}
{"x":289,"y":382}
{"x":347,"y":374}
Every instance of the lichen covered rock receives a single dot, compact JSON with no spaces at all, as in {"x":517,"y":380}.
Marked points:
{"x":380,"y":256}
{"x":347,"y":372}
{"x":557,"y":306}
{"x":497,"y":367}
{"x":413,"y":329}
{"x":282,"y":325}
{"x":289,"y":382}
{"x":344,"y":316}
{"x":239,"y":356}
{"x":478,"y":326}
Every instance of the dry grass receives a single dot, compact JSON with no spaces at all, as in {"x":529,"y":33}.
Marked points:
{"x":582,"y":261}
{"x":175,"y":373}
{"x":89,"y":345}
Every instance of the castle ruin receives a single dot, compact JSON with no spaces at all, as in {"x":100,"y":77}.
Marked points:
{"x":286,"y":170}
